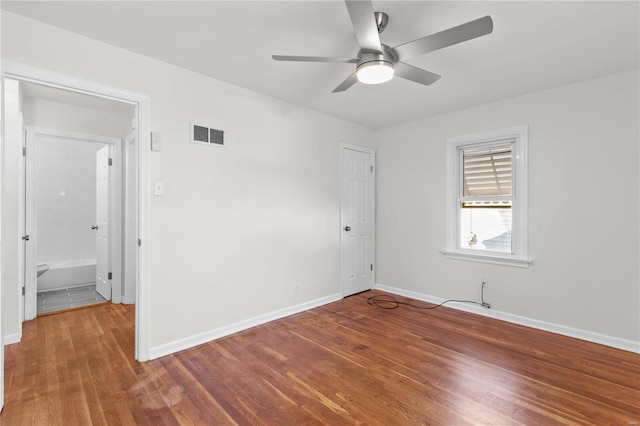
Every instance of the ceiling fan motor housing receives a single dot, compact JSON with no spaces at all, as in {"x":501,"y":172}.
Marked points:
{"x":368,"y":57}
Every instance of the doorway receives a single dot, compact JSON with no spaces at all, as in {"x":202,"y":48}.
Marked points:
{"x":357,"y":219}
{"x":73,"y":214}
{"x":136,"y":228}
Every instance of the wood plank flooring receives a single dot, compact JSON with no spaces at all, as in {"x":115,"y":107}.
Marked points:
{"x":343,"y":363}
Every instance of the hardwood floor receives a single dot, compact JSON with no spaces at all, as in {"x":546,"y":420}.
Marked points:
{"x":343,"y":363}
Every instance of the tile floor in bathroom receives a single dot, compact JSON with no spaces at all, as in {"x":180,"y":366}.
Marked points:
{"x":56,"y":300}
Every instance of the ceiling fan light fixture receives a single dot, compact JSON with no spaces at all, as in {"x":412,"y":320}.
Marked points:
{"x":375,"y":72}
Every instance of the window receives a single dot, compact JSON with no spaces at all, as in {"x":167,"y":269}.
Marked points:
{"x":487,"y":197}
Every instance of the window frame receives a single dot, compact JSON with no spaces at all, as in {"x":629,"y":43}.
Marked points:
{"x":454,"y":185}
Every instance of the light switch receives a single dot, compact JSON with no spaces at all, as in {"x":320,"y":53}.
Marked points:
{"x":158,"y":188}
{"x":155,"y":141}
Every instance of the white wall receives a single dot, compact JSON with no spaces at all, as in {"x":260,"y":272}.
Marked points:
{"x":236,"y":226}
{"x":66,"y":199}
{"x":62,"y":116}
{"x":583,"y":208}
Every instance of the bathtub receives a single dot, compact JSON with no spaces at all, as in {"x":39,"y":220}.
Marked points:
{"x":67,"y":273}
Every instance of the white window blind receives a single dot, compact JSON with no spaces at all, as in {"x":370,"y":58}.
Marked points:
{"x":487,"y":170}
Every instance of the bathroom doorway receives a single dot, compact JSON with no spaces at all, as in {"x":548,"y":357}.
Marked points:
{"x":135,"y":232}
{"x":73,"y":218}
{"x":72,"y":151}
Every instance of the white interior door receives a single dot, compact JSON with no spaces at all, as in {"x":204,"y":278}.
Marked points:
{"x":103,"y":284}
{"x":357,"y":219}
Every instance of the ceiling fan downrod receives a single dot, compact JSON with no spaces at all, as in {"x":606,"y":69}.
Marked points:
{"x":382,"y":19}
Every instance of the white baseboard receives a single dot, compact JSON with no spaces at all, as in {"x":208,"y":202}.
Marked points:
{"x":615,"y":342}
{"x":208,"y":336}
{"x":10,"y":339}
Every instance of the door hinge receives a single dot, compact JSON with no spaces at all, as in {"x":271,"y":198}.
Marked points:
{"x":110,"y":161}
{"x":139,"y":242}
{"x":24,"y":151}
{"x":25,"y":237}
{"x":371,"y":169}
{"x":110,"y":276}
{"x":372,"y":266}
{"x":23,"y":290}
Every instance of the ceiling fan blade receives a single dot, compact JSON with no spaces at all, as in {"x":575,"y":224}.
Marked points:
{"x":350,"y":81}
{"x":314,"y":59}
{"x":454,"y":35}
{"x":412,"y":73}
{"x":364,"y":24}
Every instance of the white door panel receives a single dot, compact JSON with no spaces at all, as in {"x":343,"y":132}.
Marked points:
{"x":358,"y":224}
{"x":103,"y":284}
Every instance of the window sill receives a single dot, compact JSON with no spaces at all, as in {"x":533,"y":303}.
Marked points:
{"x":488,"y":258}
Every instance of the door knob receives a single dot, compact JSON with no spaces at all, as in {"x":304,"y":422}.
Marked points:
{"x":347,"y":228}
{"x":94,"y":227}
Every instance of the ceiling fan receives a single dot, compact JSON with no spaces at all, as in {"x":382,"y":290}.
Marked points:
{"x":377,"y":63}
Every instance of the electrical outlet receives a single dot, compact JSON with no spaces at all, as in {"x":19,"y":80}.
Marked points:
{"x":296,"y":288}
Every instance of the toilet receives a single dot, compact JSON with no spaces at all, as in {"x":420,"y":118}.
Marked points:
{"x":42,"y":268}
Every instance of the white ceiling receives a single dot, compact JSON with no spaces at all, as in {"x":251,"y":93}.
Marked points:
{"x":534,"y":45}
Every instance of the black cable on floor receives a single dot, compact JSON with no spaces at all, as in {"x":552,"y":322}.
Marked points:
{"x":386,"y":301}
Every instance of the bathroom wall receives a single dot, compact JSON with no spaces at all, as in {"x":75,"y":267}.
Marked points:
{"x":66,"y":199}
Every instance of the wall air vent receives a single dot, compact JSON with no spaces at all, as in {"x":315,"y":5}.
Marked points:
{"x":206,"y":135}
